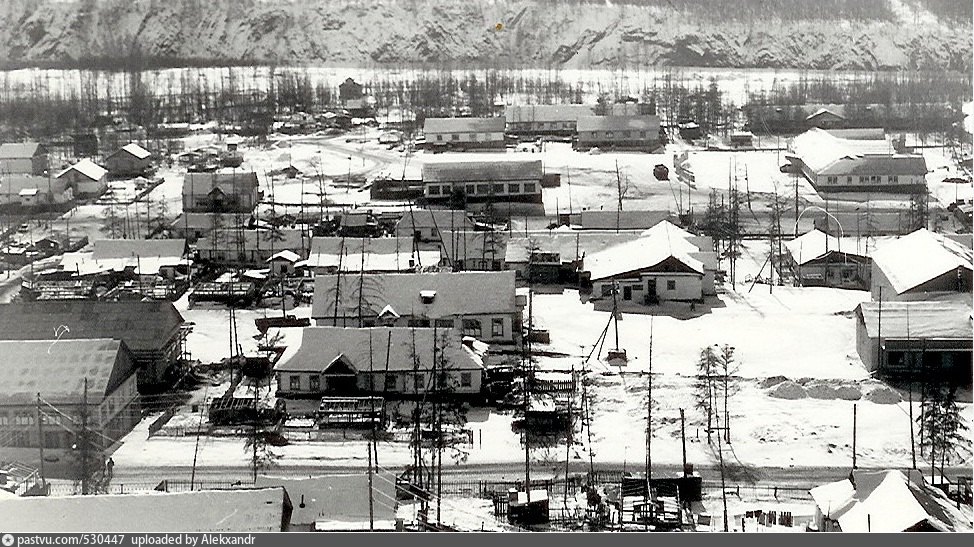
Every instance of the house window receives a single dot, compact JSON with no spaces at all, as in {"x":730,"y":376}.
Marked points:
{"x":434,"y":190}
{"x":606,"y":290}
{"x":848,"y":179}
{"x":483,"y":189}
{"x":466,"y":379}
{"x":444,"y":323}
{"x":608,"y":134}
{"x":315,"y":383}
{"x":390,"y":382}
{"x":295,"y":382}
{"x":454,"y":137}
{"x":439,"y":138}
{"x":471,"y":327}
{"x":4,"y":420}
{"x":626,"y":134}
{"x":419,"y":381}
{"x":894,"y":179}
{"x":513,"y":188}
{"x":528,"y":187}
{"x":498,"y":188}
{"x":497,"y":327}
{"x":670,"y":284}
{"x":470,"y":189}
{"x":833,"y":180}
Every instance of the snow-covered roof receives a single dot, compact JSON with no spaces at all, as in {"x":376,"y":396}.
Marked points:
{"x":815,"y":244}
{"x":340,"y":499}
{"x":322,"y":346}
{"x":828,"y":154}
{"x":58,"y":369}
{"x":568,"y":244}
{"x":208,"y":511}
{"x":457,"y":293}
{"x":382,"y":254}
{"x":916,"y":258}
{"x":27,"y":192}
{"x":464,"y":125}
{"x":888,"y":501}
{"x":144,"y":256}
{"x":288,"y":256}
{"x":87,"y":168}
{"x":650,"y":249}
{"x":135,"y":150}
{"x":481,"y":171}
{"x":942,"y":320}
{"x":19,"y":150}
{"x":650,"y":124}
{"x":547,"y":113}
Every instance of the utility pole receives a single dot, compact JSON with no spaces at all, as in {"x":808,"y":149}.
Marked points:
{"x":40,"y":441}
{"x":683,"y":440}
{"x":83,"y":442}
{"x":854,"y":435}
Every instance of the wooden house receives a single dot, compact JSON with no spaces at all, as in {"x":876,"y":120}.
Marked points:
{"x":25,"y":158}
{"x":919,"y":265}
{"x":130,"y":160}
{"x":555,"y":256}
{"x":96,"y":376}
{"x":478,"y":304}
{"x":461,"y":182}
{"x":338,"y":502}
{"x":463,"y":133}
{"x":640,"y":133}
{"x":394,"y":362}
{"x":425,"y":226}
{"x":221,"y":192}
{"x":33,"y":191}
{"x":152,"y":330}
{"x":371,"y":255}
{"x":86,"y":178}
{"x":250,"y":247}
{"x":548,"y":119}
{"x":817,"y":259}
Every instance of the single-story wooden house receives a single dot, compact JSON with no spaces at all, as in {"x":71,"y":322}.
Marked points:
{"x":283,"y":263}
{"x":464,"y":133}
{"x":61,"y":371}
{"x":473,"y":251}
{"x":426,"y":225}
{"x":87,"y":178}
{"x":25,"y":158}
{"x":338,"y":503}
{"x":885,"y":501}
{"x":32,"y":190}
{"x":515,"y":181}
{"x":921,"y":264}
{"x":359,"y":223}
{"x":914,"y":339}
{"x":483,"y":305}
{"x":820,"y":260}
{"x":234,"y":192}
{"x":557,"y":256}
{"x":130,"y":160}
{"x":251,"y":247}
{"x":666,"y":263}
{"x":546,"y":119}
{"x":152,"y":330}
{"x":394,"y":362}
{"x":619,"y":132}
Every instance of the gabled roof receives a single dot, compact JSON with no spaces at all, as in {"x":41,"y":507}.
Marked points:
{"x":473,"y":245}
{"x":287,"y":256}
{"x":459,"y":293}
{"x":145,"y":248}
{"x":619,"y":123}
{"x":921,"y":256}
{"x":545,"y":113}
{"x":380,"y":254}
{"x":940,"y":320}
{"x":479,"y":171}
{"x":815,"y":244}
{"x":826,"y":153}
{"x":464,"y":125}
{"x":87,"y":168}
{"x":322,"y":346}
{"x":887,"y":501}
{"x":141,"y":325}
{"x":825,"y":111}
{"x":57,"y":369}
{"x":13,"y":183}
{"x":627,"y":220}
{"x":20,"y":150}
{"x":133,"y":149}
{"x":207,"y":511}
{"x":337,"y":498}
{"x":654,"y":246}
{"x":143,"y":256}
{"x":229,"y":183}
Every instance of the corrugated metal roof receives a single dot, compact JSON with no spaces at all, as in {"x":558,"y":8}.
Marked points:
{"x":464,"y":125}
{"x":135,"y":150}
{"x":141,"y":325}
{"x":126,"y":248}
{"x":441,"y":219}
{"x":322,"y":346}
{"x":228,"y":183}
{"x":457,"y":293}
{"x":338,"y":498}
{"x":57,"y":369}
{"x":619,"y":123}
{"x":463,"y":171}
{"x":208,"y":511}
{"x":381,"y":254}
{"x":827,"y":154}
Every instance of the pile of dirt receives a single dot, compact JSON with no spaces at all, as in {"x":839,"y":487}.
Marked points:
{"x":773,"y":381}
{"x":848,"y":393}
{"x":820,"y":390}
{"x":788,"y":390}
{"x":883,"y":396}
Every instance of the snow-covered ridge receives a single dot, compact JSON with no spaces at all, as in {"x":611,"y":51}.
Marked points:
{"x":522,"y":33}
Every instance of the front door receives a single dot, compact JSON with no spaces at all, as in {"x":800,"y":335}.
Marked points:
{"x":627,"y":293}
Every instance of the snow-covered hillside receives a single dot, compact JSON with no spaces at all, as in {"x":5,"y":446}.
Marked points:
{"x":536,"y":33}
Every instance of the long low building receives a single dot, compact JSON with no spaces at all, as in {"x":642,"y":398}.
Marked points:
{"x":834,"y":162}
{"x":483,"y":181}
{"x":619,"y":132}
{"x":395,"y":362}
{"x":370,"y":255}
{"x":820,"y":260}
{"x":464,"y":133}
{"x":546,"y":119}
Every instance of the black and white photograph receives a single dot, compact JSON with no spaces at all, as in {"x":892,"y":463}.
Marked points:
{"x":516,"y":266}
